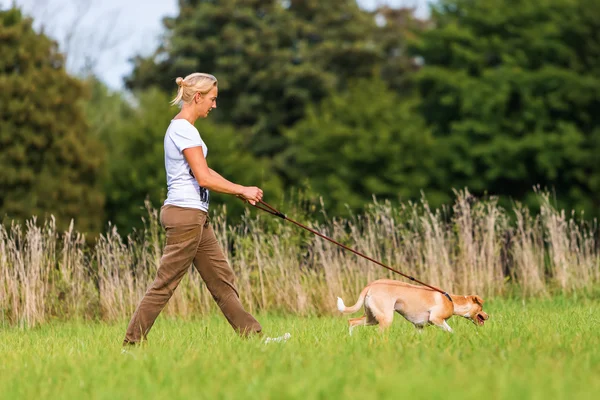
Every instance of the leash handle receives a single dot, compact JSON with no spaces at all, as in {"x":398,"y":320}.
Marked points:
{"x":273,"y":211}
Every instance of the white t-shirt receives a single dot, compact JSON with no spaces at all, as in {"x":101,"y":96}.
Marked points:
{"x":183,"y":189}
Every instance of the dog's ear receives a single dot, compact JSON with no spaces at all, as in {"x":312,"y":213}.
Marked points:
{"x":477,"y":300}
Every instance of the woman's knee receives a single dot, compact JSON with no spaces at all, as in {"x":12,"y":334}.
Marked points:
{"x":222,"y":290}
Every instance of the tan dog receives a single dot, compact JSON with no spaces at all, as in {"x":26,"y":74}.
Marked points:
{"x":418,"y":304}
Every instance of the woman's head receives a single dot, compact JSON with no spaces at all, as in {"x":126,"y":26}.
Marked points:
{"x":197,"y":90}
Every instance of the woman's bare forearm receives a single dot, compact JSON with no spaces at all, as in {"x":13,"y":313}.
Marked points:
{"x":213,"y":172}
{"x":208,"y":178}
{"x":215,"y":182}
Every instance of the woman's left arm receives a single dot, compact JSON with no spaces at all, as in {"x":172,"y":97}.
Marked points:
{"x":213,"y":172}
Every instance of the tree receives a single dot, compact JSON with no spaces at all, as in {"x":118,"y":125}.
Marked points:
{"x":49,"y":163}
{"x":361,"y":143}
{"x":396,"y":28}
{"x":272,"y":58}
{"x":512,"y":92}
{"x":85,"y":37}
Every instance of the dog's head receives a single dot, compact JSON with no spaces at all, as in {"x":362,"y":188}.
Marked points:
{"x":475,"y":313}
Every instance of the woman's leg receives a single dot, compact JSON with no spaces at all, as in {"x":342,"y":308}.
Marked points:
{"x":184,"y":230}
{"x":218,"y":275}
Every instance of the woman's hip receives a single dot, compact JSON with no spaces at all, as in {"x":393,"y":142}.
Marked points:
{"x":182,"y":218}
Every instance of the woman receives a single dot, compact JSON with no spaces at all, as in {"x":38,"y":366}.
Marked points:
{"x":190,"y":237}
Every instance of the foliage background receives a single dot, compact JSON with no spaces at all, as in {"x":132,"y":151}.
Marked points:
{"x":319,"y":102}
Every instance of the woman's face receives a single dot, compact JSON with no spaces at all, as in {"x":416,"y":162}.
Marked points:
{"x":204,"y":104}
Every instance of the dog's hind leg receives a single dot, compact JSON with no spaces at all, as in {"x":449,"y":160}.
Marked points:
{"x":368,"y":319}
{"x":381,"y":310}
{"x":385,"y":319}
{"x":360,"y":321}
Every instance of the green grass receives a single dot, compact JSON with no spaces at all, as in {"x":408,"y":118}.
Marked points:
{"x":534,"y":350}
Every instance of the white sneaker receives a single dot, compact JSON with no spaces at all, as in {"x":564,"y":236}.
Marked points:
{"x":283,"y":338}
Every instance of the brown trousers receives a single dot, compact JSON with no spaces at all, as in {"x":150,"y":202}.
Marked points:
{"x":190,"y":239}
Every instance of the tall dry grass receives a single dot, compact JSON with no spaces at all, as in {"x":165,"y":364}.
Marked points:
{"x":474,"y":246}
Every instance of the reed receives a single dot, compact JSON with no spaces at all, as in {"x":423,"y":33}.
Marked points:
{"x":472,"y":246}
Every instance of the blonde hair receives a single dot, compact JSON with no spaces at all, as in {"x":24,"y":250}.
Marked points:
{"x":192,"y":84}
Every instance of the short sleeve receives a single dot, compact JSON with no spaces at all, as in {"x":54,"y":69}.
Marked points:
{"x":185,"y":138}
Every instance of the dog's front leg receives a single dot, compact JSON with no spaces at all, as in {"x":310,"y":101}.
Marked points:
{"x":441,"y":323}
{"x":447,"y":327}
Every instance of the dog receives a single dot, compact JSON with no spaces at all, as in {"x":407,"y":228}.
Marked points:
{"x":418,"y":304}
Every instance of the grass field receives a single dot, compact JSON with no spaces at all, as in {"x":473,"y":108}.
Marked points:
{"x":539,"y":349}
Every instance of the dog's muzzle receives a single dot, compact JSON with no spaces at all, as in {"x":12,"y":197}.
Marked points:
{"x":480,"y":318}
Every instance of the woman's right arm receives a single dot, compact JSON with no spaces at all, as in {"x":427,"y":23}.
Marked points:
{"x":215,"y":182}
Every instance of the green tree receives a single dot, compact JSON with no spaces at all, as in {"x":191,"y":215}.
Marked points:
{"x":396,"y":28}
{"x":272,"y":58}
{"x":511,"y":89}
{"x":360,"y":143}
{"x":49,"y":162}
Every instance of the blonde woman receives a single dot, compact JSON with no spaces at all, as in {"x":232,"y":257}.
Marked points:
{"x":189,"y":235}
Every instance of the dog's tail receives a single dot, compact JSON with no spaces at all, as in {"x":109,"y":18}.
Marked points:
{"x":359,"y":303}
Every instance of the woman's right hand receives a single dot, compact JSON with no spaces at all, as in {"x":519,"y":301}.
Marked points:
{"x":252,"y":194}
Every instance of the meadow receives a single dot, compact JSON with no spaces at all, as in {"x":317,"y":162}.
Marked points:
{"x":538,"y":349}
{"x":64,"y":306}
